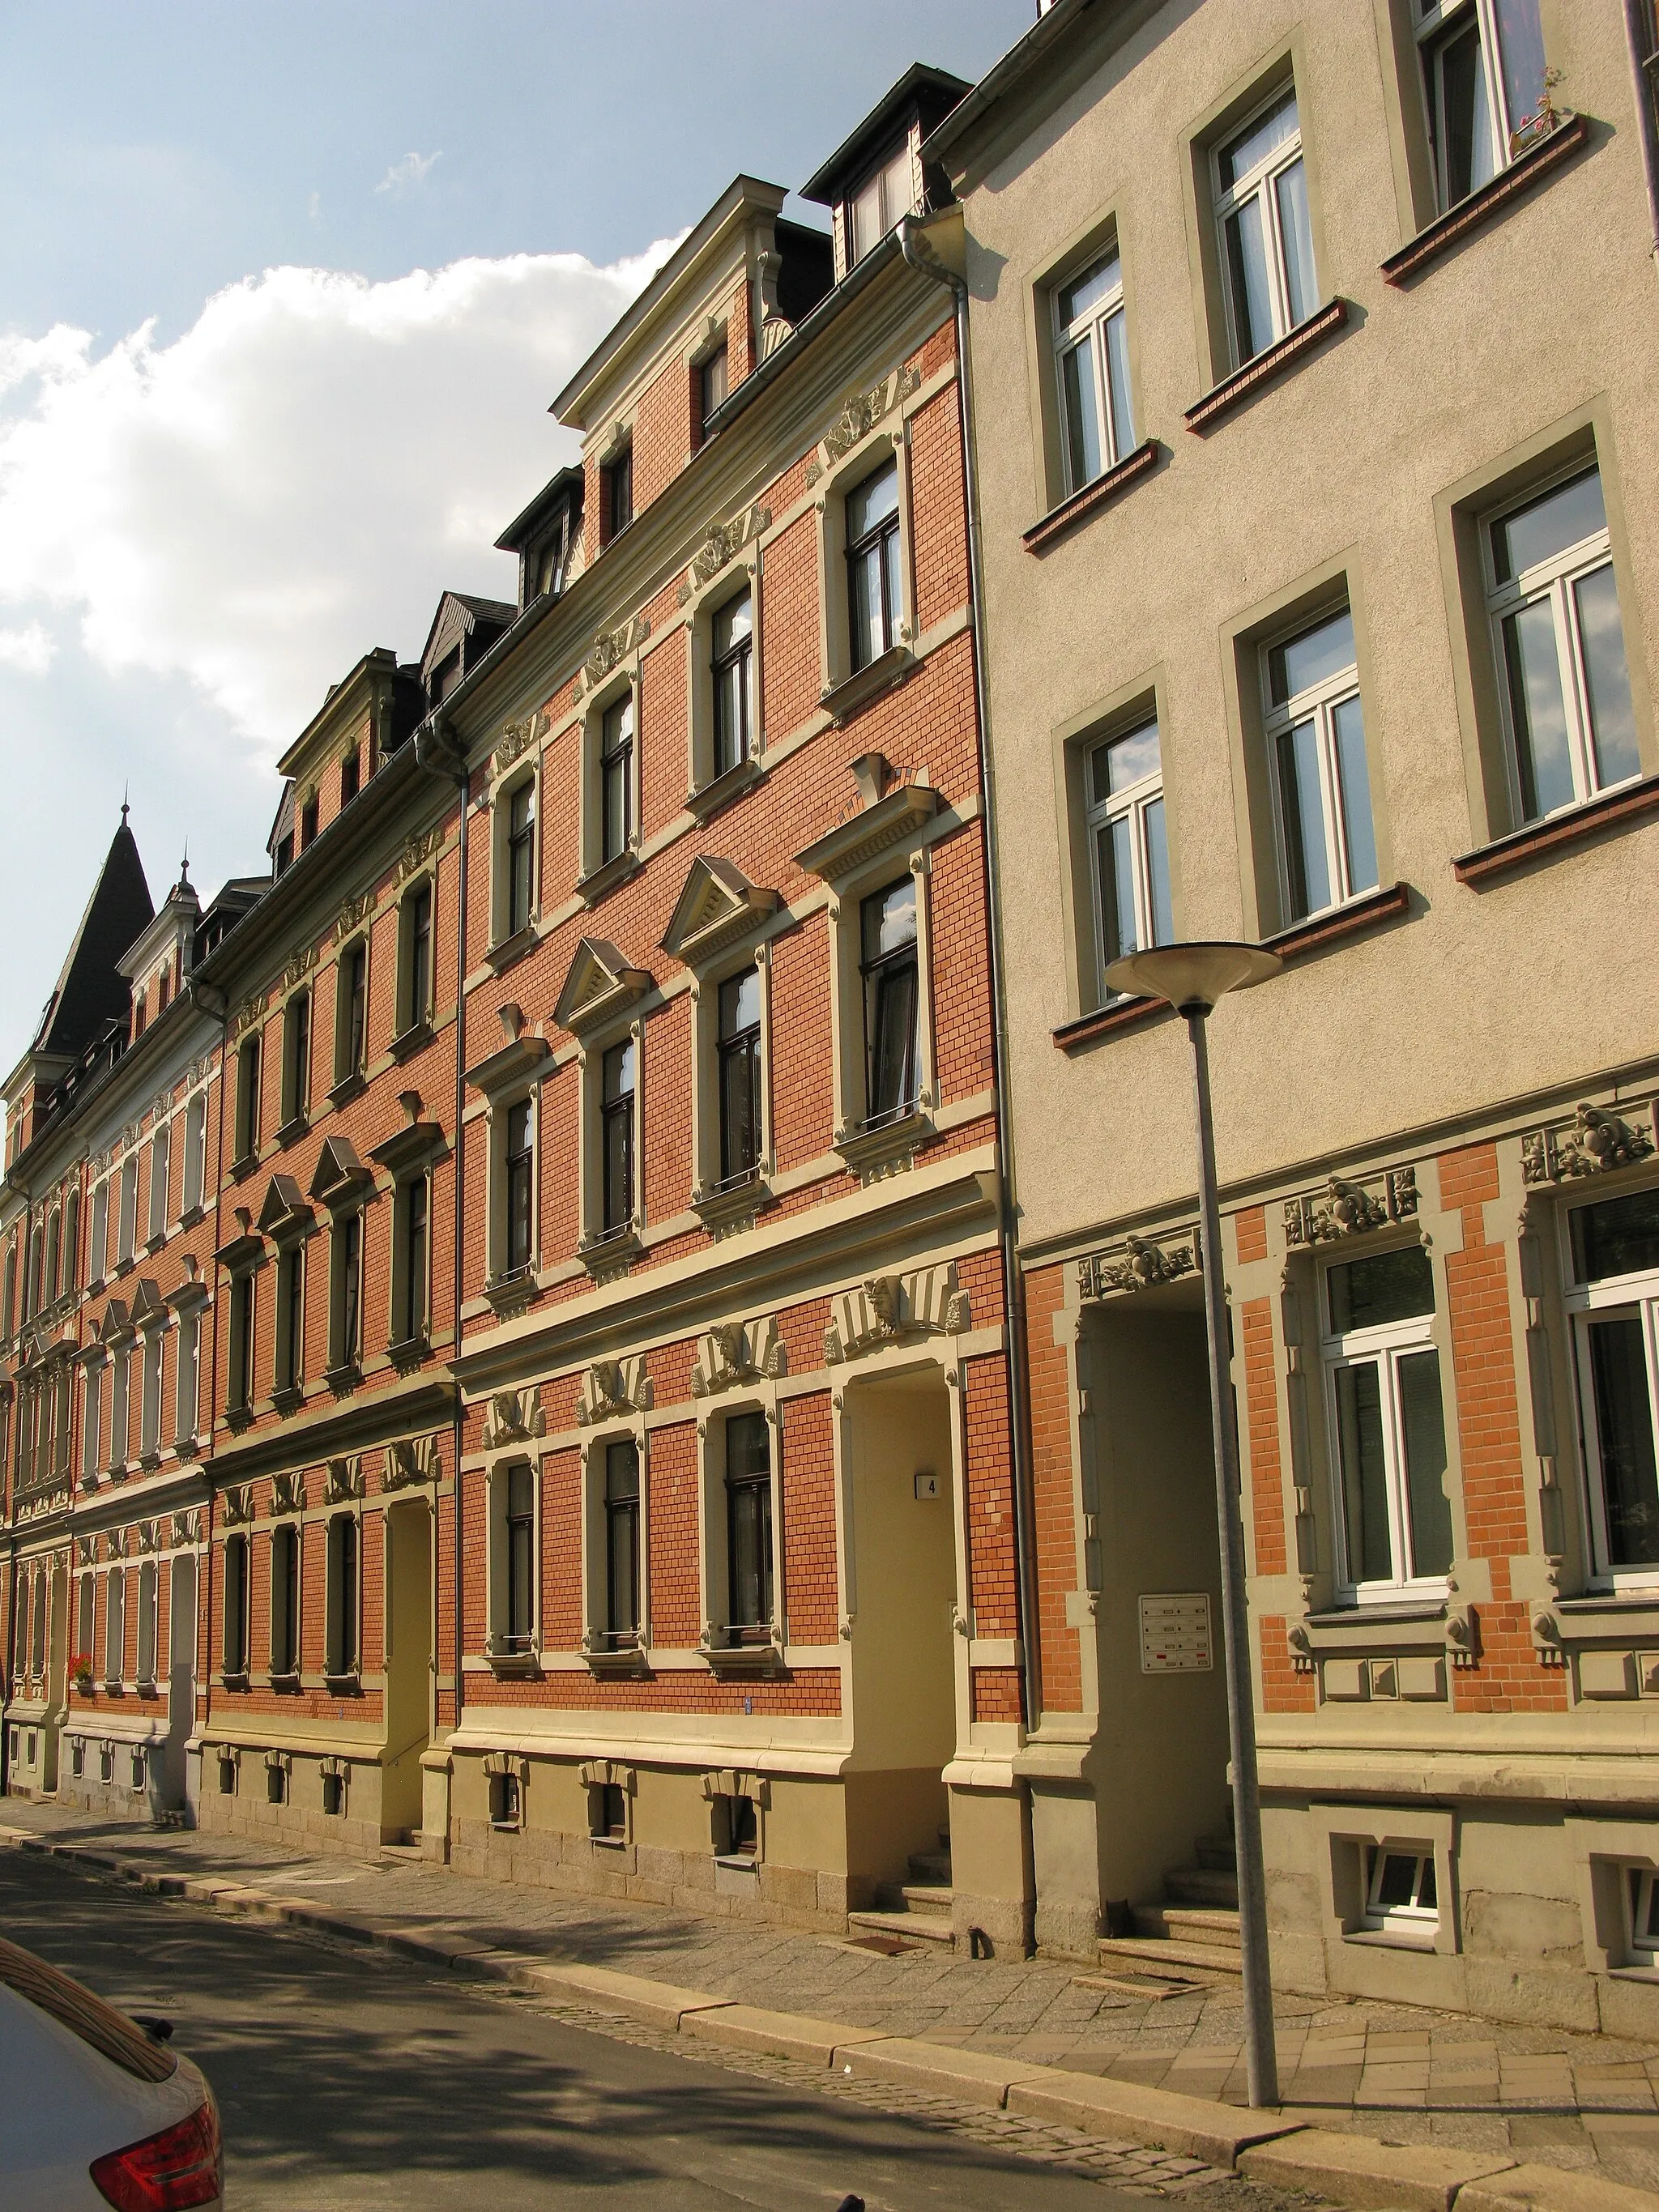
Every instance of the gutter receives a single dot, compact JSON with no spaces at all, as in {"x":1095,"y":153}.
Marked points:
{"x":919,"y":241}
{"x":1644,"y":69}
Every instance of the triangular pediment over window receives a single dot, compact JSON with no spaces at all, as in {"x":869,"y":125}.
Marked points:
{"x":600,"y":983}
{"x":717,"y":907}
{"x":115,"y":1324}
{"x":148,"y":1303}
{"x":339,"y":1174}
{"x":284,"y":1202}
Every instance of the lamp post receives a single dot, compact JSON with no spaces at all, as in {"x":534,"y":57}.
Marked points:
{"x":1192,"y":978}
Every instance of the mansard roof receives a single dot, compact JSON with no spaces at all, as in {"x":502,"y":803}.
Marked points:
{"x":91,"y":989}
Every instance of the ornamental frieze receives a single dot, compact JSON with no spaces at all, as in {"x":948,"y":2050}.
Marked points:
{"x":513,"y":1416}
{"x":1594,"y":1141}
{"x":343,"y":1479}
{"x":610,"y":648}
{"x":515,"y":738}
{"x":722,"y":543}
{"x":297,"y":968}
{"x":242,"y":1017}
{"x":410,"y":1459}
{"x":1138,"y":1264}
{"x":884,"y":1308}
{"x":738,"y":1352}
{"x":615,"y":1386}
{"x":418,"y":851}
{"x":353,"y":913}
{"x":1346,"y":1209}
{"x":859,"y":413}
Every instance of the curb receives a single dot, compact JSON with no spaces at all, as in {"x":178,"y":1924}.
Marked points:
{"x":1265,"y":2147}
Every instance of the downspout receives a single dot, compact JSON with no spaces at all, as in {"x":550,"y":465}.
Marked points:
{"x":216,"y":1005}
{"x":918,"y":249}
{"x":1644,"y":69}
{"x":437,"y":750}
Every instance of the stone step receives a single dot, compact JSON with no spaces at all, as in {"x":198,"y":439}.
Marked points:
{"x":930,"y":1866}
{"x":904,"y":1927}
{"x":1202,"y":1885}
{"x":1218,"y":1850}
{"x":1181,"y":1924}
{"x":1154,"y":1954}
{"x":929,"y":1897}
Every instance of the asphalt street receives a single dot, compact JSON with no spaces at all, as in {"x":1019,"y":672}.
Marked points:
{"x":347,"y":2081}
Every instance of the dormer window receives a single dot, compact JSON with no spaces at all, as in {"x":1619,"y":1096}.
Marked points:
{"x":284,"y":853}
{"x":163,"y":988}
{"x":351,"y":776}
{"x":713,"y":382}
{"x":308,"y":821}
{"x":618,"y":490}
{"x":888,"y":193}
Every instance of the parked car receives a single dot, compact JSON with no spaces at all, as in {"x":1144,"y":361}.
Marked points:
{"x":98,"y":2111}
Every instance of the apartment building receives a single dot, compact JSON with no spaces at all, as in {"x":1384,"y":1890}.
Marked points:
{"x":1312,"y":348}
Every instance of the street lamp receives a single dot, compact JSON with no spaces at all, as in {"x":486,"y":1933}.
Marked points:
{"x":1192,"y":977}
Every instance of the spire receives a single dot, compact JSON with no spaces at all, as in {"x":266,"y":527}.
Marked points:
{"x":91,"y":988}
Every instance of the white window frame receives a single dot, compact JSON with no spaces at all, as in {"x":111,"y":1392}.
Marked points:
{"x":92,"y":1420}
{"x":187,"y":1378}
{"x":1437,"y":23}
{"x":1318,"y":703}
{"x":338,"y":1665}
{"x":160,"y":1169}
{"x":1555,"y":580}
{"x":597,"y":1639}
{"x":98,"y":1253}
{"x":194,"y":1151}
{"x":1132,"y":805}
{"x":115,"y":1627}
{"x":1261,"y":184}
{"x":1414,"y":1925}
{"x":1067,"y":337}
{"x":1615,"y":1297}
{"x":149,"y":1398}
{"x":1383,"y":1346}
{"x":128,"y":1229}
{"x":1640,"y":1885}
{"x":120,"y":1410}
{"x":884,"y":174}
{"x":149,"y":1615}
{"x":527,"y":1649}
{"x":525,"y":778}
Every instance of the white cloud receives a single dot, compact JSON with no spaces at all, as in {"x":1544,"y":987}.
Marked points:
{"x":403,"y":176}
{"x":29,"y":649}
{"x":292,"y":481}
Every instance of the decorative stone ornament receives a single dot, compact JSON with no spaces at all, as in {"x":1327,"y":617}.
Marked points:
{"x":731,"y":1782}
{"x":353,"y":913}
{"x":736,"y":1351}
{"x":1138,"y":1264}
{"x":606,"y":1774}
{"x":187,"y":1528}
{"x":614,"y":1386}
{"x":239,"y":1502}
{"x":512,"y":1416}
{"x":297,"y":968}
{"x":411,"y":1460}
{"x":418,"y":851}
{"x":1595,"y":1141}
{"x":288,"y":1492}
{"x":859,"y":413}
{"x":609,"y":649}
{"x":342,"y":1479}
{"x":884,"y":1308}
{"x":1347,"y":1209}
{"x":722,"y":543}
{"x":515,"y":739}
{"x":86,"y":1550}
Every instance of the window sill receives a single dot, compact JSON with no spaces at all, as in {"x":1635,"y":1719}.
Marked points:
{"x":884,"y":673}
{"x":239,"y":1169}
{"x":288,"y":1683}
{"x":515,"y":1665}
{"x":609,"y":1843}
{"x":349,"y":1685}
{"x":154,"y":1240}
{"x":1350,"y":921}
{"x":291,"y":1131}
{"x":1245,"y":383}
{"x":237,"y":1417}
{"x":731,"y":1660}
{"x":893,"y":1144}
{"x":189,"y":1218}
{"x":1540,"y":839}
{"x":500,"y":958}
{"x":348,"y":1088}
{"x":409,"y":1351}
{"x":288,"y":1401}
{"x":1064,"y":518}
{"x":343,"y":1379}
{"x":508,"y":1292}
{"x":1394,"y":1939}
{"x":707,"y":800}
{"x":592,"y":887}
{"x":1107,"y":1021}
{"x":610,"y":1252}
{"x":1448,"y":230}
{"x":234,"y":1678}
{"x":603,"y":1661}
{"x":721,"y":1210}
{"x":409,"y":1041}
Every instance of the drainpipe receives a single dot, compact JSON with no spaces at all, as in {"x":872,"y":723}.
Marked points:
{"x":918,"y":248}
{"x":1644,"y":69}
{"x":437,"y":749}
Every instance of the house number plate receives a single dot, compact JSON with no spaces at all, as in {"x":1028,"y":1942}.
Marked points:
{"x":1174,"y":1633}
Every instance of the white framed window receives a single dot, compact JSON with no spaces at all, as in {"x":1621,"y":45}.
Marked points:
{"x":1644,"y":1916}
{"x":115,"y":1626}
{"x":1614,"y":1300}
{"x":195,"y":1155}
{"x":1129,"y":844}
{"x":414,"y":944}
{"x":514,"y":1583}
{"x":1559,"y":642}
{"x":248,"y":1055}
{"x":516,"y":1214}
{"x":237,"y":1585}
{"x":621,"y":1506}
{"x":1091,"y":356}
{"x":129,"y":1223}
{"x":92,"y":1408}
{"x":1315,"y":728}
{"x":118,"y":1439}
{"x":887,"y":194}
{"x":515,"y":820}
{"x":1483,"y":86}
{"x":889,"y":964}
{"x":1386,"y":1425}
{"x":1266,"y":235}
{"x":150,"y":1406}
{"x":1400,"y":1895}
{"x":187,"y":1380}
{"x":296,"y":1060}
{"x":85,"y":1600}
{"x":617,"y":778}
{"x":731,"y":639}
{"x":342,"y":1595}
{"x":285,"y":1584}
{"x":148,"y":1613}
{"x":161,"y":1164}
{"x":875,"y":594}
{"x":351,"y":1011}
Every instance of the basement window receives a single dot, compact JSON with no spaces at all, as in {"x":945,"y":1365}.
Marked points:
{"x":1401,"y":1900}
{"x":1643,"y":1916}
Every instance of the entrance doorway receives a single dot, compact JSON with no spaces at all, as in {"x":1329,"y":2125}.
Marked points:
{"x":407,"y":1667}
{"x":181,"y":1683}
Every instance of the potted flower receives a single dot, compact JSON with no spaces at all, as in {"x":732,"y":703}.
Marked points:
{"x":81,"y":1671}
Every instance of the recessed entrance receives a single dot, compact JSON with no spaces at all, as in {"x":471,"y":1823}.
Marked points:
{"x":408,"y":1666}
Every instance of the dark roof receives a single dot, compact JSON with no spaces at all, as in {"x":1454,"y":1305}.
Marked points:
{"x":91,"y":988}
{"x":568,"y":484}
{"x":489,"y":611}
{"x":935,"y":92}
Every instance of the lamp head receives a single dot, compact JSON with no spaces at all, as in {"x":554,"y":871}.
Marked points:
{"x":1193,"y":976}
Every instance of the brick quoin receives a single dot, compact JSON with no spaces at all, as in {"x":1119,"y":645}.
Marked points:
{"x":1284,"y":1691}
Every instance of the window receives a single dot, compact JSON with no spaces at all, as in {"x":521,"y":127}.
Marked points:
{"x":1266,"y":239}
{"x":296,"y":1057}
{"x":738,"y":1047}
{"x":414,"y":996}
{"x":872,"y":564}
{"x":888,"y":925}
{"x":240,"y":1378}
{"x":72,"y":1242}
{"x":86,"y":1599}
{"x":187,"y":1381}
{"x":518,"y":1619}
{"x":749,"y":1527}
{"x":115,"y":1626}
{"x":1644,"y":1916}
{"x":351,"y":776}
{"x":308,"y":818}
{"x":621,"y":1543}
{"x":119,"y":1438}
{"x":284,"y":853}
{"x":92,"y":1408}
{"x":1399,"y":1891}
{"x":734,"y":641}
{"x":1614,"y":1302}
{"x":736,"y":1829}
{"x":346,"y":1250}
{"x":285,"y":1599}
{"x":520,"y":857}
{"x":333,"y":1794}
{"x":410,"y":1321}
{"x":1092,"y":349}
{"x":38,"y":1644}
{"x":129,"y":1225}
{"x":55,"y":1250}
{"x":163,"y":988}
{"x":505,"y":1801}
{"x":161,"y":1163}
{"x":291,"y":1318}
{"x":618,"y":490}
{"x":236,"y":1604}
{"x":195,"y":1155}
{"x":1483,"y":82}
{"x":1129,"y":845}
{"x":607,"y":1812}
{"x":98,"y":1253}
{"x":1382,"y":1399}
{"x":1560,"y":647}
{"x":617,"y":1138}
{"x":886,"y":194}
{"x":9,"y":1317}
{"x":149,"y":1599}
{"x":713,"y":385}
{"x":149,"y":1410}
{"x":352,"y":1014}
{"x":519,"y":1195}
{"x":1315,"y":735}
{"x":341,"y":1594}
{"x":617,"y":778}
{"x":248,"y":1100}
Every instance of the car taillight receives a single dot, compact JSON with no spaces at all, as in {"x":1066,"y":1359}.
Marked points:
{"x":167,"y":2172}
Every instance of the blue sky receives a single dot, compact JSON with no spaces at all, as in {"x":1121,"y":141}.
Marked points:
{"x":284,"y":290}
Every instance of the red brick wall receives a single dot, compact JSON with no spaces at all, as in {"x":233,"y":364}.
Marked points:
{"x":1053,"y":1490}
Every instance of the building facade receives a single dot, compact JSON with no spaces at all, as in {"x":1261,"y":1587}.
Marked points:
{"x":1320,"y":550}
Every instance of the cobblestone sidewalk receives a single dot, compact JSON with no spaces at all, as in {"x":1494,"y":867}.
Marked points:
{"x":1403,"y":2073}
